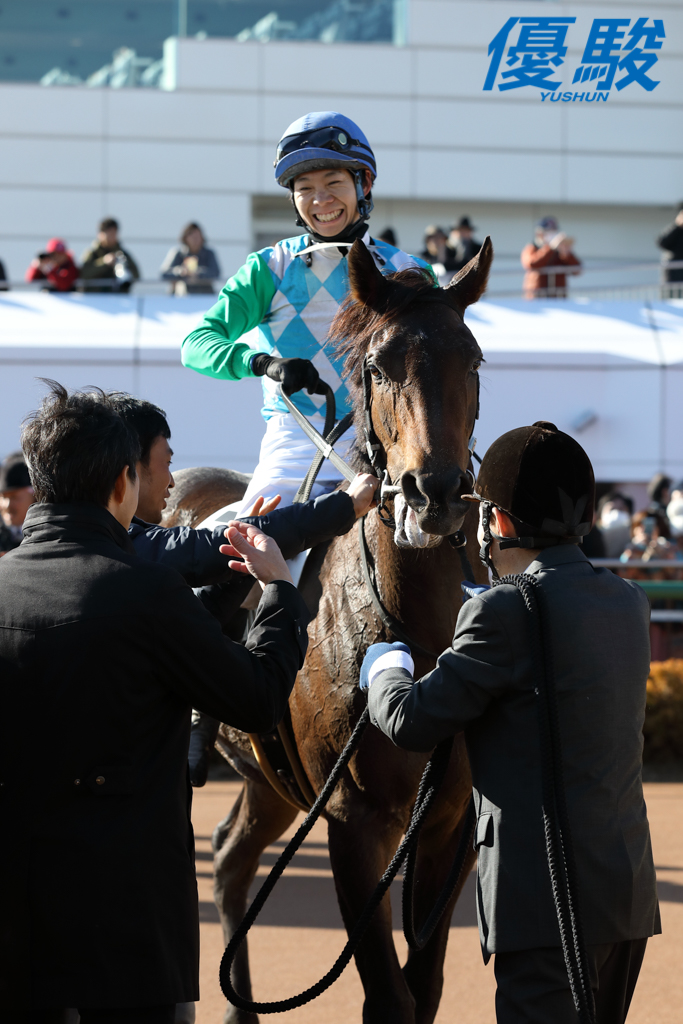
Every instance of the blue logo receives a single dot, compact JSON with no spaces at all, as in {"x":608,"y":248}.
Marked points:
{"x":531,"y":52}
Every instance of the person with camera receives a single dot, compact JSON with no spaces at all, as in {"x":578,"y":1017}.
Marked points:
{"x":585,"y":637}
{"x":106,"y":653}
{"x":107,"y":260}
{"x":55,"y":265}
{"x":548,"y":261}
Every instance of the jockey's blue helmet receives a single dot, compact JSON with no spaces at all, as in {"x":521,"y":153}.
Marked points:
{"x":322,"y":139}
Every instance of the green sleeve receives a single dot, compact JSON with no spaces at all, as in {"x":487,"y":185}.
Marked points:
{"x":213,"y":348}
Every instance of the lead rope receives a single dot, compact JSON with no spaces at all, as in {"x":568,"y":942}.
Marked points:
{"x":556,"y":824}
{"x":429,"y":786}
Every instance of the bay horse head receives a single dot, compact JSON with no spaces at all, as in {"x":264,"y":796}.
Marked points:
{"x":412,"y":367}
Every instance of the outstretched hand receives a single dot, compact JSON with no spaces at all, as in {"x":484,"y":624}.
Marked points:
{"x":363,"y":493}
{"x":251,"y":551}
{"x":261,"y":507}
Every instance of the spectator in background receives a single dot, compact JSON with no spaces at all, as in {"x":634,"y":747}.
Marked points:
{"x":614,"y":521}
{"x":674,"y":514}
{"x":438,"y":252}
{"x":389,"y":236}
{"x":659,"y":493}
{"x":16,"y":496}
{"x":55,"y":265}
{"x":462,"y":242}
{"x":672,"y":244}
{"x":550,"y":248}
{"x":191,"y":266}
{"x":650,"y":539}
{"x":4,"y":287}
{"x":106,"y":259}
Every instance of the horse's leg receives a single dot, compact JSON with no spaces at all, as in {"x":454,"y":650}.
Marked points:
{"x":423,"y":971}
{"x":360,"y":850}
{"x":257,"y":819}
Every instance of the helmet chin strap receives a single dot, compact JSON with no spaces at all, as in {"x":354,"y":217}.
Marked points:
{"x":487,"y":508}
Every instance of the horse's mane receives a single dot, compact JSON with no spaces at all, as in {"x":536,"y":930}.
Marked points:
{"x":355,"y":322}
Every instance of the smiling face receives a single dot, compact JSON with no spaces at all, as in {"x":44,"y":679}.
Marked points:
{"x":326,"y":200}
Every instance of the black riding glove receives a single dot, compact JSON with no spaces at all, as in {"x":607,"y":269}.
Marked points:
{"x":293,"y":374}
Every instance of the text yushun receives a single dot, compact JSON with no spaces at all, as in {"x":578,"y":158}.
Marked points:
{"x":532,"y":53}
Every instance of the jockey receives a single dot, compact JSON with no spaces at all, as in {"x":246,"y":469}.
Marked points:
{"x":290,"y":292}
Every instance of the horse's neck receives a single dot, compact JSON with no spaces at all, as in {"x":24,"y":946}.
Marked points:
{"x":420,"y":588}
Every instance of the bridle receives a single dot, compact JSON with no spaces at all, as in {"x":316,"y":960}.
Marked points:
{"x":378,"y":456}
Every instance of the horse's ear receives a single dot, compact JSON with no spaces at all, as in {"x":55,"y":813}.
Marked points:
{"x":366,"y":282}
{"x":469,"y":284}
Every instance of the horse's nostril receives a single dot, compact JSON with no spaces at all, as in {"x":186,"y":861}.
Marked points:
{"x":436,"y":489}
{"x":414,"y":496}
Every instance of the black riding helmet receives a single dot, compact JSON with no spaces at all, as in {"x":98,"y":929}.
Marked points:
{"x":543,"y":479}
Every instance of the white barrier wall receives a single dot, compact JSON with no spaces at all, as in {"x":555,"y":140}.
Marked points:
{"x":611,"y":374}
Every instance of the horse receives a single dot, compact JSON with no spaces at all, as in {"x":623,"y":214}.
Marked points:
{"x":412,"y":368}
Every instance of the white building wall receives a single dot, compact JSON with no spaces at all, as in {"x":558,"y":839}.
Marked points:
{"x":203,"y":148}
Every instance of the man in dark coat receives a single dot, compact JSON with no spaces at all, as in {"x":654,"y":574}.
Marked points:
{"x":535,"y":492}
{"x":463,"y":243}
{"x":198,"y":555}
{"x":109,"y":652}
{"x":671,"y":241}
{"x":16,"y":497}
{"x":107,"y":260}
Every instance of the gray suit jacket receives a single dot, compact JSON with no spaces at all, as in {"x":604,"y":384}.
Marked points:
{"x":484,"y":684}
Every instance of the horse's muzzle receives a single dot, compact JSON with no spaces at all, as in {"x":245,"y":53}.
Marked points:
{"x":436,"y":499}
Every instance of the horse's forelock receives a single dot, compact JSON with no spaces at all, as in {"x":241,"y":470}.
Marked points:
{"x":355,"y":324}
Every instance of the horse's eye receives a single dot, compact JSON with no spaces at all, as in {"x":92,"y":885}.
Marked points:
{"x":476,"y":365}
{"x":375,"y":371}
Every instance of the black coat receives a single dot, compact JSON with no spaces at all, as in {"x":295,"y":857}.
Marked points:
{"x":672,"y":243}
{"x":485,"y":684}
{"x":196,"y":556}
{"x":102,"y":657}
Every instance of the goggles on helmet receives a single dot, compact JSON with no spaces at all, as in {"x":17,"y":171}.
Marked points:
{"x":331,"y":138}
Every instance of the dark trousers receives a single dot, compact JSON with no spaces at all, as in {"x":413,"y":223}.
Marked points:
{"x":126,"y":1015}
{"x":533,"y":987}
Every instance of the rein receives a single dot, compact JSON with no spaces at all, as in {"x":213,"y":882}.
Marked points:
{"x":430,"y":783}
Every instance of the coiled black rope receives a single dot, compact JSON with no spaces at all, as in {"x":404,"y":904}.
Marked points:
{"x":556,"y":825}
{"x":429,"y":785}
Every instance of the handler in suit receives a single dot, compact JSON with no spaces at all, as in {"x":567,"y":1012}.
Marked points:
{"x":536,"y":494}
{"x":108,"y":653}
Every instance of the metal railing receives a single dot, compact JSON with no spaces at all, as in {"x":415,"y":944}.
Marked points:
{"x":101,"y":286}
{"x":592,"y":280}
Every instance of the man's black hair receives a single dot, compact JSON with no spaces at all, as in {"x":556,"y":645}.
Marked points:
{"x":192,"y":226}
{"x":108,"y":223}
{"x":76,"y":445}
{"x":615,"y":496}
{"x":659,"y":483}
{"x":147,"y":420}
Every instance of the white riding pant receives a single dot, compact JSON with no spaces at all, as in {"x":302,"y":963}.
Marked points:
{"x":285,"y":458}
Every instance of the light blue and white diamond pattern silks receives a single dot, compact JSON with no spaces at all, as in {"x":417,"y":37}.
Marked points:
{"x":301,"y":312}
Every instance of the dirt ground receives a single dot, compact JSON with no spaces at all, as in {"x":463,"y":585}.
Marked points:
{"x":299,"y":934}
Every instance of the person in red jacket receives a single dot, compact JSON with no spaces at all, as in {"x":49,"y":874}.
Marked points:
{"x":55,"y":265}
{"x":550,"y":248}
